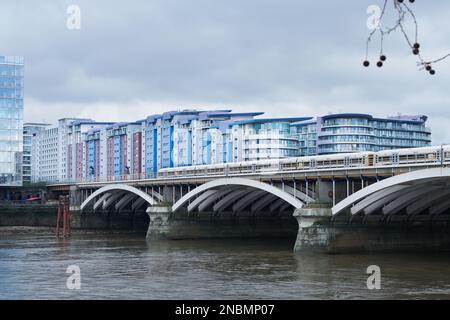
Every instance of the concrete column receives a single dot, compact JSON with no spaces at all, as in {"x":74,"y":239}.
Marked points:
{"x":43,"y":193}
{"x":314,"y":185}
{"x":307,"y":187}
{"x":159,"y":225}
{"x":295,"y":189}
{"x":325,"y":190}
{"x":311,"y":235}
{"x":167,"y":193}
{"x":348,"y":187}
{"x":75,"y":198}
{"x":189,"y":190}
{"x":334,"y":192}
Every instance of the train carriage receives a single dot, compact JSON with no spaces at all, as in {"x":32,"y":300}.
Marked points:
{"x":427,"y":155}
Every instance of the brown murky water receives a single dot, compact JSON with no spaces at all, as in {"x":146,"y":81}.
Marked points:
{"x":33,"y":266}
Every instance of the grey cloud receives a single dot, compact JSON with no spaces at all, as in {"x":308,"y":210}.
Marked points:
{"x":287,"y":57}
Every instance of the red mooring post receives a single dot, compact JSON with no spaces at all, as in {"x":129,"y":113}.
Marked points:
{"x":64,"y":219}
{"x":68,"y":216}
{"x":58,"y":220}
{"x":64,"y":210}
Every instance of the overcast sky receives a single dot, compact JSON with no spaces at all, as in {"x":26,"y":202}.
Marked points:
{"x":134,"y":58}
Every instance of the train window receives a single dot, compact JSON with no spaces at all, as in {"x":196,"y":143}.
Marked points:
{"x":370,"y":160}
{"x":394,"y":158}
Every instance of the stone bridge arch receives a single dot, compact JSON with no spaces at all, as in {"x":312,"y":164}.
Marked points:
{"x":239,"y":193}
{"x":120,"y":194}
{"x":412,"y":193}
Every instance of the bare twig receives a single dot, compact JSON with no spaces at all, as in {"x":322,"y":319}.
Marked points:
{"x":403,"y":11}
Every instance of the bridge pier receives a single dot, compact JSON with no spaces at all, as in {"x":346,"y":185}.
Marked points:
{"x":320,"y":233}
{"x":313,"y":234}
{"x":167,"y":225}
{"x":75,"y":198}
{"x":159,"y":227}
{"x":100,"y":220}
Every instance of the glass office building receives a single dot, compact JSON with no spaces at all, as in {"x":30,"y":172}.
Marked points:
{"x":11,"y":120}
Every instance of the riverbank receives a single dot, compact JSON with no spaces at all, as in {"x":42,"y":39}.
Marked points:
{"x":29,"y":215}
{"x":43,"y":218}
{"x":27,"y":230}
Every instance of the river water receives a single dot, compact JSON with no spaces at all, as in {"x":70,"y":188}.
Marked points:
{"x":33,"y":266}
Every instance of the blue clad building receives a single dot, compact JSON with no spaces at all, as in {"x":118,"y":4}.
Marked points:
{"x":151,"y":137}
{"x":167,"y":143}
{"x":184,"y":138}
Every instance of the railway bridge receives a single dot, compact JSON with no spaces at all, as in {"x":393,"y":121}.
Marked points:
{"x":390,"y":200}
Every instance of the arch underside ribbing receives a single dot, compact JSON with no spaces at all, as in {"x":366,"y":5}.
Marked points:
{"x":413,"y":193}
{"x":239,"y":195}
{"x":119,"y":197}
{"x":232,"y":194}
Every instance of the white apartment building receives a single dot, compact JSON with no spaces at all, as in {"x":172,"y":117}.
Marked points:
{"x":45,"y":155}
{"x":49,"y":152}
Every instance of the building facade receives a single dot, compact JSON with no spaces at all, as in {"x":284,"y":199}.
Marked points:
{"x":82,"y":149}
{"x":45,"y":156}
{"x":258,"y":139}
{"x":96,"y":150}
{"x":124,"y":149}
{"x":75,"y":136}
{"x":184,"y":138}
{"x":11,"y":119}
{"x":58,"y":151}
{"x":30,"y":130}
{"x":351,"y":132}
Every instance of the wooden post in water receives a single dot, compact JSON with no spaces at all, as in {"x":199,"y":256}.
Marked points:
{"x":66,"y":202}
{"x":58,"y":220}
{"x":64,"y":217}
{"x":64,"y":209}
